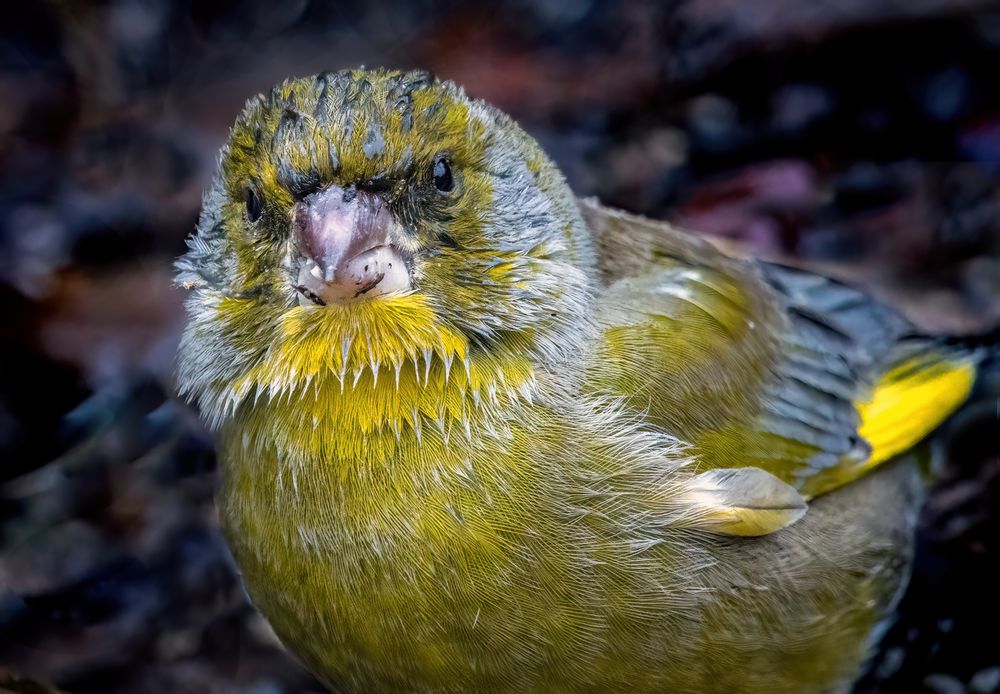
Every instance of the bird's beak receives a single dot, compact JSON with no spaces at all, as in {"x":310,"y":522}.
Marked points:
{"x":345,"y":240}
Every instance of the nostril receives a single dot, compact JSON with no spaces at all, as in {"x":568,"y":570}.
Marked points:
{"x":305,"y":187}
{"x":378,"y":185}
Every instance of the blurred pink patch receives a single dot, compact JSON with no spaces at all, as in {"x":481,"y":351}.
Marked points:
{"x":754,"y":204}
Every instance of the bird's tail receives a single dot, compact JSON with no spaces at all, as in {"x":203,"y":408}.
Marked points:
{"x":986,"y":347}
{"x":974,"y":432}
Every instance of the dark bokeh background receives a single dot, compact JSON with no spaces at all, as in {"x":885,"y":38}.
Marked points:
{"x":861,"y":137}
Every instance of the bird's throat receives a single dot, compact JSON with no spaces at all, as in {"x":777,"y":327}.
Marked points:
{"x":356,"y":382}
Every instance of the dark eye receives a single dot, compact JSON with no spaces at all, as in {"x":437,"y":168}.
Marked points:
{"x":255,"y":206}
{"x":443,"y":180}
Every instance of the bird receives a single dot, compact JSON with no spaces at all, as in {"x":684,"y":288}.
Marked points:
{"x":477,"y":434}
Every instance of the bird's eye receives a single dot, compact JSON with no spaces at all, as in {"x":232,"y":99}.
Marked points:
{"x":443,"y":180}
{"x":255,"y":206}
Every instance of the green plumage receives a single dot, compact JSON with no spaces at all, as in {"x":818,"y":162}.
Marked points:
{"x":532,"y":471}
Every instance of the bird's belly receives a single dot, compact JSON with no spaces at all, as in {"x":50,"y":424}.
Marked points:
{"x":404,"y":599}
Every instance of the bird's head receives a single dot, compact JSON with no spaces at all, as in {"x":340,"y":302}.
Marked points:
{"x":361,"y":219}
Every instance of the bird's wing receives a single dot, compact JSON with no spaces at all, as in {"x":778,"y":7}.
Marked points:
{"x":761,"y":365}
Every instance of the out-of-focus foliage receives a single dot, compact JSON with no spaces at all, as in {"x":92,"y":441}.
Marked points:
{"x":859,"y":136}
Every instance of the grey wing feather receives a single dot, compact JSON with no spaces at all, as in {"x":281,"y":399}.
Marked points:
{"x":840,"y":340}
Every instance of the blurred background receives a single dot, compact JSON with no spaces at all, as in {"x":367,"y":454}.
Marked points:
{"x":860,"y":137}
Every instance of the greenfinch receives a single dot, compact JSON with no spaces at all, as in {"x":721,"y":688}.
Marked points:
{"x":477,"y":435}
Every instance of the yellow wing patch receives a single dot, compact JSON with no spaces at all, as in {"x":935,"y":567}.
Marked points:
{"x":911,"y":400}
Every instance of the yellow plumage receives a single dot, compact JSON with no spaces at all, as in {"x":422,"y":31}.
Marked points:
{"x":910,"y":401}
